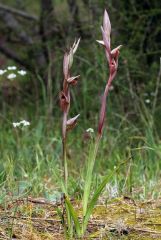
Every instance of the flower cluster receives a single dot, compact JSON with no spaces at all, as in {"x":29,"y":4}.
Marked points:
{"x":90,"y":130}
{"x":2,"y":71}
{"x":111,"y":55}
{"x":22,"y":123}
{"x":22,"y":72}
{"x":13,"y":74}
{"x":11,"y":67}
{"x":112,"y":58}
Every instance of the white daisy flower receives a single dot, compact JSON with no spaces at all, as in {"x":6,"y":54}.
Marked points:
{"x":147,"y":100}
{"x":22,"y":72}
{"x":16,"y":124}
{"x":11,"y":76}
{"x":2,"y":71}
{"x":25,"y":123}
{"x":91,"y":130}
{"x":11,"y":67}
{"x":22,"y":123}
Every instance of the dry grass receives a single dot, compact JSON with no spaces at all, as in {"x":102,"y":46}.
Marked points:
{"x":123,"y":218}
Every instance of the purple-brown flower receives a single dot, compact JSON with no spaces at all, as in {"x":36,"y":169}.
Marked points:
{"x":69,"y":81}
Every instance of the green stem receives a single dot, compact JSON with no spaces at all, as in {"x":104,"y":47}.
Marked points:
{"x":65,"y":166}
{"x":90,"y":167}
{"x":64,"y":137}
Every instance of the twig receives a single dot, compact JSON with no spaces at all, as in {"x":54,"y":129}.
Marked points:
{"x":43,"y":201}
{"x":35,"y":219}
{"x":38,"y":201}
{"x":18,"y":12}
{"x":146,"y":230}
{"x":152,"y":224}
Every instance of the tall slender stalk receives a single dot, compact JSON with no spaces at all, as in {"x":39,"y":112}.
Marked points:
{"x":65,"y":105}
{"x":112,"y":58}
{"x":64,"y":139}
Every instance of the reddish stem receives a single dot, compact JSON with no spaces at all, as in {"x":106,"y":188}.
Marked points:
{"x":103,"y":106}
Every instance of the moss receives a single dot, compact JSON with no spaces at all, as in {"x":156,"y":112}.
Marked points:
{"x":121,"y":218}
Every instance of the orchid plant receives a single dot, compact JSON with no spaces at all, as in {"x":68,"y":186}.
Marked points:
{"x":67,"y":124}
{"x":88,"y":203}
{"x":112,"y":58}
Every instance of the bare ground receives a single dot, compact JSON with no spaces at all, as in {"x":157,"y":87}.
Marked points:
{"x":121,"y":218}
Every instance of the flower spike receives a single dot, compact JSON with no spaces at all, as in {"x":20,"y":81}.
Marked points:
{"x":64,"y":97}
{"x":112,"y":58}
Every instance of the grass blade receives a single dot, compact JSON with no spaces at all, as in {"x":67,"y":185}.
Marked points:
{"x":74,"y":216}
{"x":89,"y":174}
{"x":94,"y":199}
{"x":96,"y":195}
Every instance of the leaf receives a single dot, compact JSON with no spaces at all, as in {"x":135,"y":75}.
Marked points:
{"x":60,"y":214}
{"x":74,"y":216}
{"x":96,"y":195}
{"x":88,"y":180}
{"x":94,"y":199}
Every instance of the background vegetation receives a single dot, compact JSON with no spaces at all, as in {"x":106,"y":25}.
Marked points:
{"x":34,"y":36}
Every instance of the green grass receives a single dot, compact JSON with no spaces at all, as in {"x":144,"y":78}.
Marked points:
{"x":31,"y":158}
